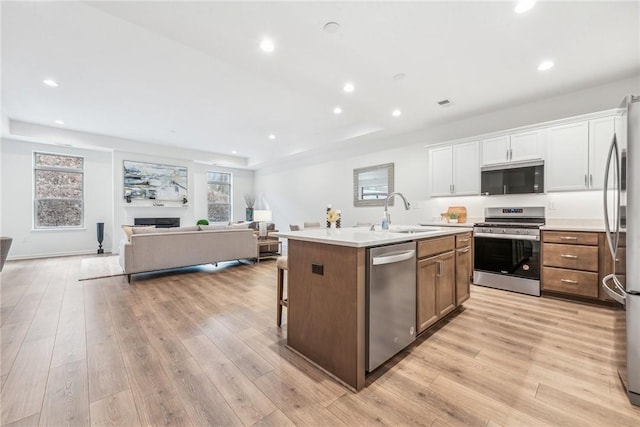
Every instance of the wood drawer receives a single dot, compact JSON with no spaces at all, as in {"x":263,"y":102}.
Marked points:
{"x":572,"y":282}
{"x":463,"y":240}
{"x":576,"y":257}
{"x":570,"y":237}
{"x":435,"y":246}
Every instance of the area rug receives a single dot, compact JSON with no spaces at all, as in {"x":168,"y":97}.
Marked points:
{"x":98,"y":267}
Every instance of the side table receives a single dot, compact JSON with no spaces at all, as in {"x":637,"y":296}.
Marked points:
{"x":269,"y":248}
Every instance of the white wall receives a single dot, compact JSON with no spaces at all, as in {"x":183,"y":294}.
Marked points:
{"x":301,"y":193}
{"x":242,"y":182}
{"x":104,"y":200}
{"x":17,"y":202}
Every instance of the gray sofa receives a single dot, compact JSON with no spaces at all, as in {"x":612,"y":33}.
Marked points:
{"x":159,"y":249}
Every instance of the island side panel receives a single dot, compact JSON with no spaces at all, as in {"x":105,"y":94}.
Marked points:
{"x":326,"y":312}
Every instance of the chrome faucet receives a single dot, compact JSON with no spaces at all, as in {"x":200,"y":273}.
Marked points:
{"x":407,"y":205}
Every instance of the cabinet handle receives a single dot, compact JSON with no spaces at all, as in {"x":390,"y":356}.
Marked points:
{"x":585,"y":180}
{"x":507,"y":154}
{"x":463,"y":250}
{"x":568,"y":238}
{"x":439,"y":272}
{"x":510,"y":154}
{"x":590,"y":180}
{"x":573,"y":282}
{"x":569,"y":256}
{"x":464,"y":240}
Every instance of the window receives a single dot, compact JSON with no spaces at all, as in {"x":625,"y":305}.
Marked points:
{"x":58,"y":191}
{"x":219,"y":196}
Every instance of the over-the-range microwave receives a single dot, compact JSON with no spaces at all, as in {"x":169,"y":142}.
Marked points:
{"x":516,"y":178}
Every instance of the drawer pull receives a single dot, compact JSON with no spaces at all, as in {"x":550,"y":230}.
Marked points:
{"x":464,"y":240}
{"x":573,"y":282}
{"x":463,"y":250}
{"x":569,"y":256}
{"x":568,"y":238}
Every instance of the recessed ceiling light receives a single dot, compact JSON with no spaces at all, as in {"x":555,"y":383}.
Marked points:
{"x":267,"y":45}
{"x":234,"y":152}
{"x":337,"y":110}
{"x":524,"y":6}
{"x":331,"y":27}
{"x":399,"y":76}
{"x":272,"y":136}
{"x":50,"y":82}
{"x":172,"y":131}
{"x":545,"y":65}
{"x":396,"y":113}
{"x":349,"y":87}
{"x":60,"y":122}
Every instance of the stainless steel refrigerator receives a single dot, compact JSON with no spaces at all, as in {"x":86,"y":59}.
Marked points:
{"x":622,"y":222}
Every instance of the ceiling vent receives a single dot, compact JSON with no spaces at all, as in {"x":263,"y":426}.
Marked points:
{"x":444,"y":103}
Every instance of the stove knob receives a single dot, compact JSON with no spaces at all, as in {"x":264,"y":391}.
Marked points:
{"x":504,"y":231}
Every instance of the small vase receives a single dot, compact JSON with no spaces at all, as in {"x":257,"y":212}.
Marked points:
{"x":249,"y":214}
{"x":332,"y":228}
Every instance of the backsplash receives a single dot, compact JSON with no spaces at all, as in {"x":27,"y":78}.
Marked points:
{"x":578,"y":204}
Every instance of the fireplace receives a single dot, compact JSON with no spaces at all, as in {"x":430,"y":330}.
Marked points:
{"x":158,"y":222}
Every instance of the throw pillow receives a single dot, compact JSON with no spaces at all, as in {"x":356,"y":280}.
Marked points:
{"x":128,"y":229}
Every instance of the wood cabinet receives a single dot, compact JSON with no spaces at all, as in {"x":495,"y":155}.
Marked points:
{"x":575,"y":262}
{"x":606,"y":263}
{"x":464,"y":267}
{"x":454,"y":170}
{"x":578,"y":153}
{"x":570,"y":263}
{"x":436,"y":285}
{"x":516,"y":147}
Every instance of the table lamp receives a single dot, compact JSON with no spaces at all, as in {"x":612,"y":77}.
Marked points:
{"x":262,"y":216}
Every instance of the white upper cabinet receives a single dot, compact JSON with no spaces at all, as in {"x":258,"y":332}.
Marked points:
{"x":568,"y":157}
{"x":516,"y":147}
{"x":600,"y":137}
{"x":495,"y":150}
{"x":526,"y":146}
{"x":577,"y":155}
{"x":454,"y":170}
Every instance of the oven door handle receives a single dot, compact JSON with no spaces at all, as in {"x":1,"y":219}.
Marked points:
{"x":506,"y":236}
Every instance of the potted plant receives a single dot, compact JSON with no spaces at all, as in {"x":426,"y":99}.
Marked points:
{"x":202,"y":222}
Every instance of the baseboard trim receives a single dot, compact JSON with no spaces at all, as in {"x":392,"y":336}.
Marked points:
{"x":57,"y":255}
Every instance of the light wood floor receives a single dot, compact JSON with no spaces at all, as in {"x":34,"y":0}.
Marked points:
{"x":200,"y":347}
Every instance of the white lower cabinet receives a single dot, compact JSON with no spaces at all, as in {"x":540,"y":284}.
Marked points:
{"x":454,"y":170}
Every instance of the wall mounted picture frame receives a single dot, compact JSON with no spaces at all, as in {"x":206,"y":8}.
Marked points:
{"x":155,"y":182}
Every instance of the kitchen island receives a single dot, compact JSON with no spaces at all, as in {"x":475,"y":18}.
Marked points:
{"x":326,"y":316}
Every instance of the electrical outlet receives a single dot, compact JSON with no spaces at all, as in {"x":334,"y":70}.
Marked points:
{"x":552,"y":206}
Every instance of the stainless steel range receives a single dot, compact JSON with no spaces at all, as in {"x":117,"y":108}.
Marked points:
{"x":507,"y":249}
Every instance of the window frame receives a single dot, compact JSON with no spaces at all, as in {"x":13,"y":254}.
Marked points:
{"x":230,"y":184}
{"x":35,"y":199}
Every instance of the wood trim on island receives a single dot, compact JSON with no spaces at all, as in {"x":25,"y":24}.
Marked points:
{"x":326,"y":312}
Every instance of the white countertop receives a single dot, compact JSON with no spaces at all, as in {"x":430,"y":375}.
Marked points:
{"x":362,"y":237}
{"x":574,"y":224}
{"x":447,"y":224}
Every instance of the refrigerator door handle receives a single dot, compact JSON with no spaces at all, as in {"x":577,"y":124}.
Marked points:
{"x":621,"y":296}
{"x":613,"y":245}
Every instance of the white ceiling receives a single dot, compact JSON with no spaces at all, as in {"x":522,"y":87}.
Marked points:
{"x":191,"y":74}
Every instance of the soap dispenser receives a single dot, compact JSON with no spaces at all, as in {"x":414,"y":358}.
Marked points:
{"x":385,"y":222}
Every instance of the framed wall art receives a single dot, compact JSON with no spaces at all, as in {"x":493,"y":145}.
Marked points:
{"x":155,"y":182}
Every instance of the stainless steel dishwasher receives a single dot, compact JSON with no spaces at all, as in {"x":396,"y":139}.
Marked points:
{"x":391,"y":301}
